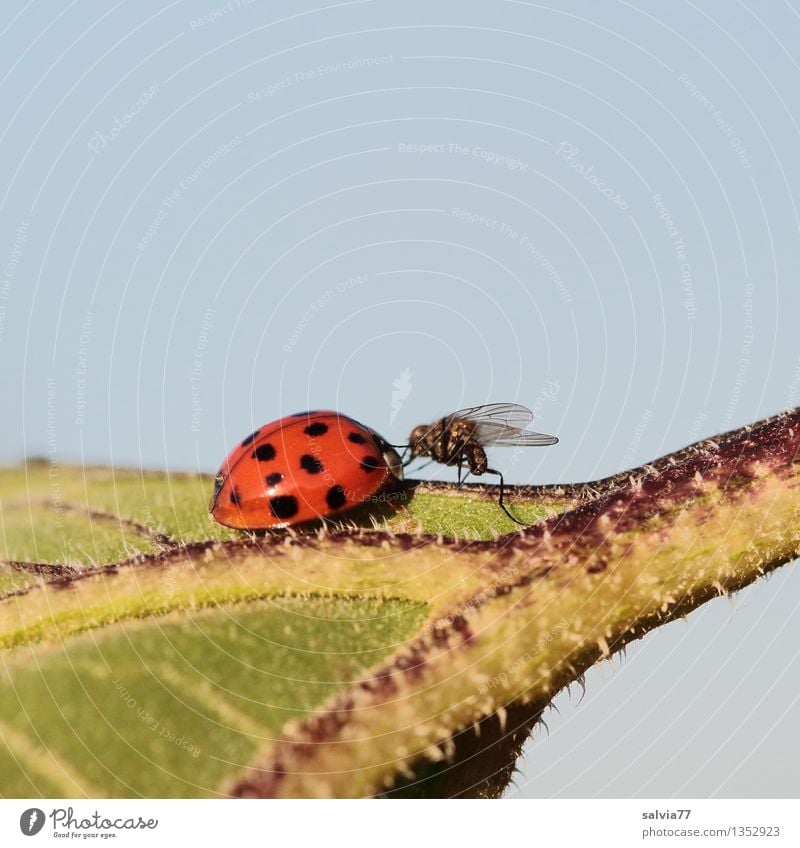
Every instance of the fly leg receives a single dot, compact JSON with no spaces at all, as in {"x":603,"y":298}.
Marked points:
{"x":419,"y":468}
{"x":500,"y":500}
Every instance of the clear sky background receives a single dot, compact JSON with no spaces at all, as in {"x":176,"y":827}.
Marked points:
{"x":213,"y":215}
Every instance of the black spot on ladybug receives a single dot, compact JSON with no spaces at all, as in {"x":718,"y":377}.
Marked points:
{"x":316,"y":429}
{"x":370,"y":463}
{"x":264,"y":452}
{"x":274,"y":478}
{"x":335,"y":497}
{"x":235,"y":498}
{"x":250,"y":438}
{"x":311,"y":464}
{"x":356,"y":438}
{"x":284,"y":506}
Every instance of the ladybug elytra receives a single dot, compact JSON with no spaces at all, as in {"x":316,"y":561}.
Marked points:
{"x":302,"y":467}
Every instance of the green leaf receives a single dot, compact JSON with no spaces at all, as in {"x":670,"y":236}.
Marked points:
{"x":173,"y":705}
{"x":358,"y":658}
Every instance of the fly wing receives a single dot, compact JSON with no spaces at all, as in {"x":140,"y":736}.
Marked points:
{"x":509,"y":415}
{"x":524,"y":438}
{"x":502,"y":424}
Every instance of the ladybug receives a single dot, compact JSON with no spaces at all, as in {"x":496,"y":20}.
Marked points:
{"x":302,"y":467}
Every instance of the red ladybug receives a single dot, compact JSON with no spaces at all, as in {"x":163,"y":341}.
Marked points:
{"x":305,"y":466}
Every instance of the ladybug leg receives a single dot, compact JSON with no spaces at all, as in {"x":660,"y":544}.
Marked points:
{"x":500,"y":500}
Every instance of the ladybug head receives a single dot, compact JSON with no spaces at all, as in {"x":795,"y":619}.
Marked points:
{"x":390,"y":456}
